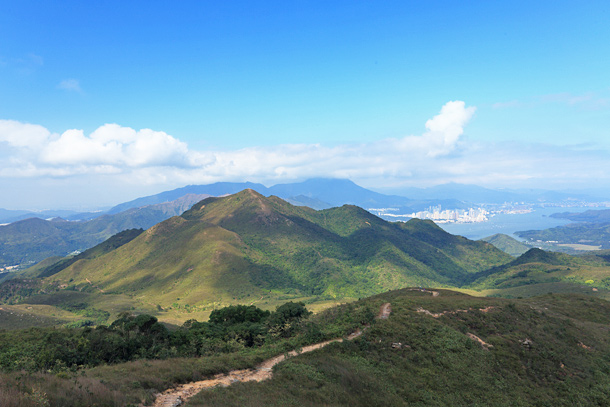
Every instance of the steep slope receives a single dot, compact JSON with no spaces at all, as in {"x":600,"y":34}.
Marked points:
{"x":245,"y":245}
{"x":507,"y":244}
{"x":32,"y":240}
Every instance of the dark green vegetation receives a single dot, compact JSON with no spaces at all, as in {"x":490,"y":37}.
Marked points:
{"x":32,"y":240}
{"x":248,"y":249}
{"x":63,"y":359}
{"x":132,"y":337}
{"x":591,"y":232}
{"x":451,"y":349}
{"x":507,"y":244}
{"x":539,"y":272}
{"x":546,"y":351}
{"x":576,"y":236}
{"x":245,"y":248}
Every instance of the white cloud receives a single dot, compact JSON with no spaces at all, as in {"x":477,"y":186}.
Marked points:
{"x":444,"y":130}
{"x":125,"y":156}
{"x":23,"y":135}
{"x":72,"y":85}
{"x":113,"y":145}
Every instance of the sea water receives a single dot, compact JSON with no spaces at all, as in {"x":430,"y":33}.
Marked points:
{"x":508,"y":224}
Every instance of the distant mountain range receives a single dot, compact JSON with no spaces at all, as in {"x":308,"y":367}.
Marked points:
{"x":246,"y":248}
{"x":323,"y":193}
{"x":9,"y":216}
{"x":317,"y":193}
{"x":592,"y":216}
{"x":481,"y":195}
{"x":30,"y":238}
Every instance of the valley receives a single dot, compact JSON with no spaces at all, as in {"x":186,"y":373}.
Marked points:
{"x":304,"y":204}
{"x":121,"y":318}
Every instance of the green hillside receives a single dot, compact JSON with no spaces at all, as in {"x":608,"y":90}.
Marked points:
{"x":573,"y":237}
{"x":507,"y":244}
{"x":446,"y":349}
{"x":32,"y":240}
{"x":538,"y":272}
{"x":547,"y":351}
{"x":248,"y":248}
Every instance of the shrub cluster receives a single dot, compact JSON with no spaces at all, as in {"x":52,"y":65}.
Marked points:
{"x":133,"y":337}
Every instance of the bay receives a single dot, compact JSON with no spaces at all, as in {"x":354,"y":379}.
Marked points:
{"x":508,"y":224}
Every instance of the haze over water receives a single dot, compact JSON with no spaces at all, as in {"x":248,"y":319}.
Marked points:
{"x":511,"y":223}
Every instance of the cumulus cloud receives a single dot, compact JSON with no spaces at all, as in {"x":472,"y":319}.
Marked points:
{"x":443,"y":130}
{"x":72,"y":85}
{"x":147,"y":157}
{"x":23,"y":135}
{"x":113,"y":145}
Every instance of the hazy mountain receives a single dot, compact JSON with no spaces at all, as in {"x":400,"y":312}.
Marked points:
{"x":477,"y":194}
{"x":593,"y":216}
{"x":216,"y":189}
{"x":247,"y":244}
{"x":337,"y":192}
{"x":317,"y":193}
{"x":9,"y":216}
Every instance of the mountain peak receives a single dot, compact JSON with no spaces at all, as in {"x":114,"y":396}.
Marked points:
{"x":243,"y":206}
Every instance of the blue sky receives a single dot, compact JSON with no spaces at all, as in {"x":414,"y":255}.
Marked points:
{"x":104,"y":101}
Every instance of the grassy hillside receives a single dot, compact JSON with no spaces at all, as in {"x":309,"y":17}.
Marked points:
{"x":538,"y":272}
{"x":450,"y":349}
{"x":507,"y":244}
{"x":575,"y":237}
{"x":550,"y":350}
{"x":246,"y":248}
{"x":32,"y":240}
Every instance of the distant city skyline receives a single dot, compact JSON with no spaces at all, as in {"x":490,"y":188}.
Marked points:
{"x":104,"y":102}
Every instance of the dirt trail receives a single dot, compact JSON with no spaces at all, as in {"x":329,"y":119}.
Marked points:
{"x":176,"y":396}
{"x":423,"y":290}
{"x":384,"y":311}
{"x":440,"y":314}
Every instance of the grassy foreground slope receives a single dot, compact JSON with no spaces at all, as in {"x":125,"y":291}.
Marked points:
{"x":445,"y":350}
{"x":539,"y":272}
{"x":545,"y":351}
{"x":246,"y":248}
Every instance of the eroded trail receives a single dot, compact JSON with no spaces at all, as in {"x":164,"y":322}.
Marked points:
{"x":178,"y":395}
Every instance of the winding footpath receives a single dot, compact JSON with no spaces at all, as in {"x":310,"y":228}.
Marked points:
{"x":177,"y":396}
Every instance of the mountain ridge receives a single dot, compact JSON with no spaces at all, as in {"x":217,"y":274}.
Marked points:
{"x":248,"y":243}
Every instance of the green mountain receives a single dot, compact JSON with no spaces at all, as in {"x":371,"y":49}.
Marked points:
{"x":594,"y":216}
{"x":507,"y":244}
{"x":580,"y":236}
{"x":247,"y":247}
{"x":539,"y":272}
{"x":31,"y":240}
